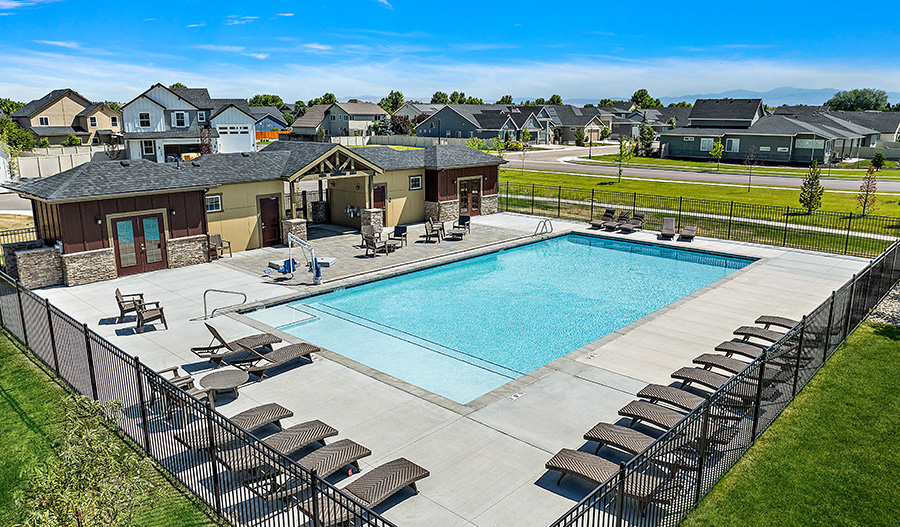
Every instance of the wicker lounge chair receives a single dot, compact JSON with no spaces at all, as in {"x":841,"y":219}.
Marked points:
{"x":688,"y":401}
{"x":621,"y":437}
{"x":219,"y":349}
{"x":463,"y":222}
{"x":128,"y":303}
{"x":149,"y":312}
{"x":635,"y":223}
{"x":375,"y":244}
{"x":325,"y":461}
{"x":196,"y":435}
{"x":399,"y":235}
{"x":646,"y":489}
{"x":747,"y":332}
{"x":668,"y":229}
{"x":288,"y":441}
{"x":435,"y":229}
{"x":276,"y":358}
{"x":666,"y":418}
{"x":217,"y":246}
{"x":612,"y":225}
{"x":732,"y":365}
{"x":370,"y":489}
{"x":712,"y":380}
{"x":688,"y":232}
{"x":770,"y":320}
{"x":609,"y":215}
{"x":747,"y":349}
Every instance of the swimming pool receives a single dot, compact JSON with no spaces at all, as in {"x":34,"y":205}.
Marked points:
{"x":463,"y":329}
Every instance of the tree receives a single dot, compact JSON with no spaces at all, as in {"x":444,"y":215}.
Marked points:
{"x":717,"y":150}
{"x":671,"y":123}
{"x":642,"y":99}
{"x":579,"y":137}
{"x":440,"y":97}
{"x":328,"y":98}
{"x":858,"y":100}
{"x":498,"y":144}
{"x":299,"y":109}
{"x":321,"y":135}
{"x":645,"y":137}
{"x":608,"y":102}
{"x":458,"y":98}
{"x":878,"y":160}
{"x":400,"y":125}
{"x":113,"y":105}
{"x":506,"y":99}
{"x":392,"y":102}
{"x":92,"y":478}
{"x":289,"y":118}
{"x":177,"y":85}
{"x":383,"y":126}
{"x":72,"y":140}
{"x":605,"y":132}
{"x":8,"y":106}
{"x":589,"y":105}
{"x":476,"y":142}
{"x":555,"y":100}
{"x":540,"y":101}
{"x":44,"y":142}
{"x":526,"y":136}
{"x":626,"y":152}
{"x":473,"y":100}
{"x":866,"y":197}
{"x":682,"y":104}
{"x":811,"y":190}
{"x":265,"y":99}
{"x":11,"y":153}
{"x":750,"y":161}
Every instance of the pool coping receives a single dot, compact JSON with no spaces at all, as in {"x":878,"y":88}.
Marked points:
{"x":515,"y":388}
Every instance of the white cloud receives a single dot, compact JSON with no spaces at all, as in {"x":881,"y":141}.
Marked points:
{"x":234,"y":20}
{"x":385,"y":3}
{"x":60,"y":43}
{"x":285,"y":14}
{"x":216,"y":47}
{"x":201,"y":24}
{"x":260,"y":56}
{"x":15,"y":4}
{"x":317,"y":47}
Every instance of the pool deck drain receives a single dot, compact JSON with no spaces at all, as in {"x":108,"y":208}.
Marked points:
{"x":486,"y":458}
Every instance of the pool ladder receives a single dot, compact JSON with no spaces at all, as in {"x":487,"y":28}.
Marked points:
{"x":543,"y":227}
{"x":210,"y":315}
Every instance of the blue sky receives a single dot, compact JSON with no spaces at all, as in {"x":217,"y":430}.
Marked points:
{"x":299,"y":50}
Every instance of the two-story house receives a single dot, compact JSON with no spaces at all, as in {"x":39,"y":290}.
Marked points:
{"x":163,"y":124}
{"x":65,"y":112}
{"x":353,"y":117}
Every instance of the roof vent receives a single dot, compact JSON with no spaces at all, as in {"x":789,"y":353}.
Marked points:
{"x":195,"y":163}
{"x":125,"y":163}
{"x":245,"y":154}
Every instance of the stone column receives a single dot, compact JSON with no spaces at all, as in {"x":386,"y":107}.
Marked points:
{"x":40,"y":267}
{"x":88,"y":267}
{"x":296,"y":227}
{"x":490,"y":204}
{"x":319,"y":211}
{"x":373,"y":217}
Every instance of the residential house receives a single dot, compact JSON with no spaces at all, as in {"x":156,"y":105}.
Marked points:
{"x":886,"y":124}
{"x":565,"y":122}
{"x":485,"y":121}
{"x":415,"y":109}
{"x":164,"y":124}
{"x":351,"y":118}
{"x":268,"y":118}
{"x":65,"y":112}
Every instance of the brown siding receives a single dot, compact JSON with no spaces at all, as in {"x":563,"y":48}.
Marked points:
{"x":46,"y":220}
{"x":446,"y":181}
{"x":431,"y":185}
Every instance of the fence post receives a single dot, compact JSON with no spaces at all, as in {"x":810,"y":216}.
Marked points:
{"x":730,"y":216}
{"x":52,"y":336}
{"x":784,"y":238}
{"x":145,"y":421}
{"x":592,"y":205}
{"x":828,"y":328}
{"x":317,"y":522}
{"x":701,"y":457}
{"x":799,"y":354}
{"x":90,"y":358}
{"x":680,"y":202}
{"x":620,"y":495}
{"x":634,"y":204}
{"x":849,"y":225}
{"x":22,"y":314}
{"x":212,"y":459}
{"x":559,"y":202}
{"x":757,"y":403}
{"x":849,"y":309}
{"x":532,"y":199}
{"x":869,"y":273}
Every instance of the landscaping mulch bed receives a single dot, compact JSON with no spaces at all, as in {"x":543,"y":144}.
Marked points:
{"x":888,"y":311}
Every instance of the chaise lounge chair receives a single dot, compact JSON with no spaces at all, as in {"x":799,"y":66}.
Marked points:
{"x":635,"y":223}
{"x":688,"y":233}
{"x":688,"y":401}
{"x":273,"y":359}
{"x":607,"y":216}
{"x":219,"y":349}
{"x":612,"y":225}
{"x":746,"y":390}
{"x":666,"y":418}
{"x":288,"y":441}
{"x":668,"y":229}
{"x":771,"y":320}
{"x":634,"y":442}
{"x":747,"y":332}
{"x":196,"y":435}
{"x":369,"y":490}
{"x":733,"y":366}
{"x":325,"y":461}
{"x":128,"y":303}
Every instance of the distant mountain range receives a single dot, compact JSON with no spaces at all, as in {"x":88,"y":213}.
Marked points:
{"x":776,"y":97}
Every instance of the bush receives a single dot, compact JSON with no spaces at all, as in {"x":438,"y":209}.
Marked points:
{"x":44,"y":142}
{"x":514,"y":146}
{"x":72,"y":140}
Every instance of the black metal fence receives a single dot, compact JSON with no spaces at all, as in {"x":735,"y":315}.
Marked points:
{"x":660,"y":485}
{"x":154,"y":413}
{"x":834,"y":232}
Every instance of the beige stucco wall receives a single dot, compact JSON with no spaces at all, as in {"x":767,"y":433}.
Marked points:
{"x":61,"y":113}
{"x":238,"y":222}
{"x":103,"y":115}
{"x":342,"y":193}
{"x":404,"y":205}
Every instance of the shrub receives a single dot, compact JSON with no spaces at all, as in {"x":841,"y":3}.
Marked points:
{"x":514,"y":146}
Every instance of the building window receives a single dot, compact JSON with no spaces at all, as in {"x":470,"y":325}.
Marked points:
{"x":459,"y":134}
{"x":148,"y":147}
{"x":415,"y":182}
{"x":688,"y":138}
{"x":114,"y":120}
{"x":765,"y":148}
{"x":92,"y":121}
{"x":214,"y":203}
{"x":732,"y":145}
{"x":179,"y":119}
{"x":144,"y":120}
{"x":201,"y":117}
{"x":333,"y":118}
{"x":43,"y":121}
{"x":706,"y":144}
{"x":448,"y":133}
{"x":783,"y":149}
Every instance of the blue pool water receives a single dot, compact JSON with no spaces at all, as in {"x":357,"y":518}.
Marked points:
{"x":463,"y":329}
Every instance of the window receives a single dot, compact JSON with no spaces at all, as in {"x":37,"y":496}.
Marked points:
{"x":688,"y":138}
{"x":706,"y":144}
{"x":148,"y":147}
{"x":732,"y":145}
{"x":214,"y":203}
{"x":333,"y":118}
{"x":459,"y":134}
{"x":765,"y":148}
{"x":783,"y":149}
{"x":95,"y":140}
{"x":810,"y":143}
{"x":448,"y":133}
{"x":415,"y":182}
{"x":201,"y":117}
{"x":144,"y":120}
{"x":92,"y":121}
{"x":179,"y":119}
{"x":114,"y":120}
{"x":43,"y":121}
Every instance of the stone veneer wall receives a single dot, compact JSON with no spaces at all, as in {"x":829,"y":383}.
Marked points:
{"x":297,"y":227}
{"x":189,"y":250}
{"x":442,"y":210}
{"x":319,"y":211}
{"x":40,"y":267}
{"x":490,"y":204}
{"x":88,"y":267}
{"x":9,"y":254}
{"x":373,"y":217}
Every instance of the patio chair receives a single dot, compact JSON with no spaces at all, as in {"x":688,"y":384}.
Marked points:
{"x":217,"y":246}
{"x":128,"y":303}
{"x":750,"y":350}
{"x":288,"y":442}
{"x":684,"y":400}
{"x":196,"y":435}
{"x":634,"y":442}
{"x":771,"y":320}
{"x":368,"y":231}
{"x":435,"y":229}
{"x":745,"y":390}
{"x":399,"y":234}
{"x":374,"y":244}
{"x":184,"y":382}
{"x":635,"y":223}
{"x":607,"y":216}
{"x":688,"y":233}
{"x":273,"y":359}
{"x":668,"y":229}
{"x":747,"y":332}
{"x":666,"y":418}
{"x":734,"y":366}
{"x":463,"y":222}
{"x":149,"y":312}
{"x":612,"y":225}
{"x":219,"y":348}
{"x":369,"y":490}
{"x":325,"y":461}
{"x":456,"y":233}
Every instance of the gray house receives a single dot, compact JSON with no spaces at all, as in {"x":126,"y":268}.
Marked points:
{"x":415,"y":109}
{"x":486,"y":121}
{"x":350,"y":118}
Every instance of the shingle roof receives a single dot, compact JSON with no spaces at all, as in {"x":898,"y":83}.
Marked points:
{"x":89,"y":109}
{"x":199,"y":97}
{"x":568,"y":115}
{"x":42,"y":131}
{"x":390,"y":159}
{"x":313,"y":116}
{"x":302,"y":153}
{"x":192,"y":132}
{"x":242,"y":166}
{"x":426,"y":108}
{"x":726,"y":109}
{"x":260,"y":112}
{"x":453,"y":156}
{"x":491,"y":120}
{"x":113,"y":178}
{"x":361,"y":108}
{"x":884,"y":122}
{"x":33,"y":106}
{"x":766,"y":125}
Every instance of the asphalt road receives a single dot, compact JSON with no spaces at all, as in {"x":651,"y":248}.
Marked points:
{"x":553,"y":161}
{"x":11,"y":202}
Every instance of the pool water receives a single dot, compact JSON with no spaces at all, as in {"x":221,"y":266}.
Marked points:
{"x":463,"y":329}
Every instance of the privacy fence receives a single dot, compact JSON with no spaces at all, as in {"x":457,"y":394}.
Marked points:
{"x":658,"y":486}
{"x":237,"y":475}
{"x":834,"y":232}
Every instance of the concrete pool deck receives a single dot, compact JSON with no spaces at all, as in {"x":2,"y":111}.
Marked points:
{"x":487,"y":458}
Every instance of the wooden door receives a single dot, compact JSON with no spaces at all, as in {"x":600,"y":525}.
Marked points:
{"x":378,"y":202}
{"x":139,"y":244}
{"x":469,"y":197}
{"x":270,"y":221}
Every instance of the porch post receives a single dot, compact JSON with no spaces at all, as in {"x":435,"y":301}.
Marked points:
{"x":293,"y":201}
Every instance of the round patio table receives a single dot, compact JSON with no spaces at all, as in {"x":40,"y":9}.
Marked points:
{"x":224,"y":380}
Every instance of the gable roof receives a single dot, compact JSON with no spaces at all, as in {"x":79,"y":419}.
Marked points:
{"x":883,"y":122}
{"x":301,"y":153}
{"x":90,"y":109}
{"x":220,"y":105}
{"x":261,"y":112}
{"x":423,"y":108}
{"x":313,"y":116}
{"x":780,"y":125}
{"x":390,"y":159}
{"x":37,"y":105}
{"x":354,"y":107}
{"x":173,"y":91}
{"x":492,"y":120}
{"x":455,"y":156}
{"x":239,"y":167}
{"x":726,"y":109}
{"x":198,"y":97}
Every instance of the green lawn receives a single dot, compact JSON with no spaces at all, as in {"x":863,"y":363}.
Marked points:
{"x":886,"y":204}
{"x":31,"y":409}
{"x":831,"y":458}
{"x":863,"y":163}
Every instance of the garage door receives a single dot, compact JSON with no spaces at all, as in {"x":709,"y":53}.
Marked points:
{"x":234,"y":138}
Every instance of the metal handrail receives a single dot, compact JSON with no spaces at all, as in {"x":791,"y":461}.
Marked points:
{"x":544,"y":226}
{"x":206,"y":316}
